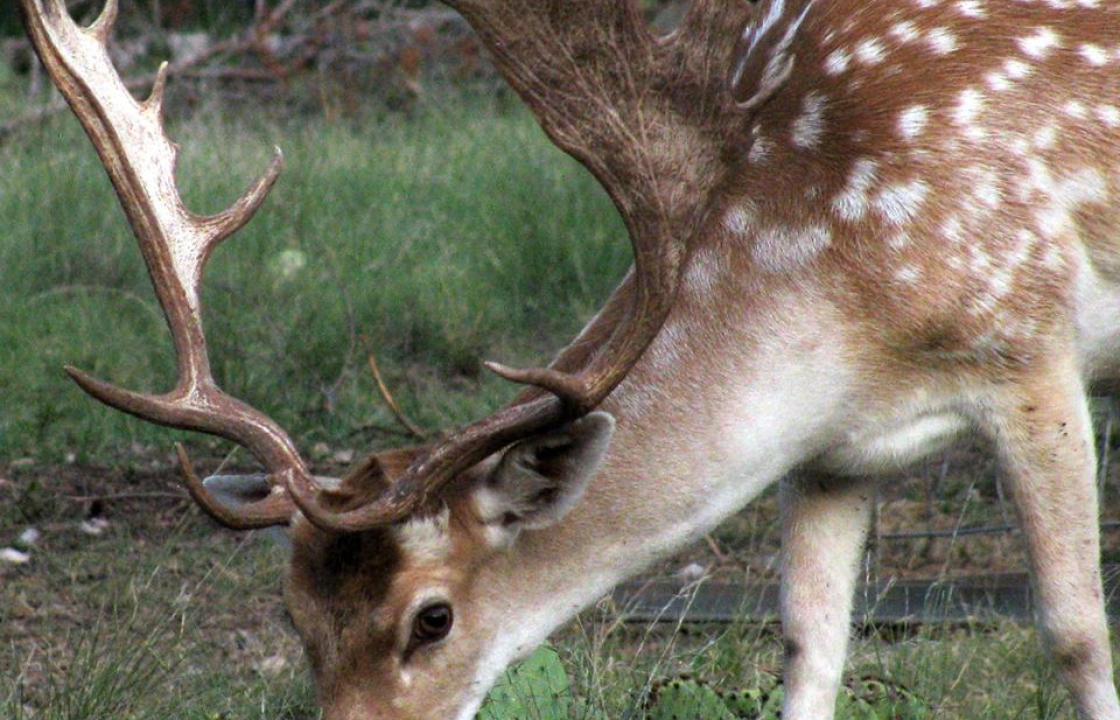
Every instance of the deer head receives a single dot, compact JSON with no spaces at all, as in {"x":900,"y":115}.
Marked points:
{"x":401,"y":620}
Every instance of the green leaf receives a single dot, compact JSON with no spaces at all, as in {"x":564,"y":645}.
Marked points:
{"x":534,"y":689}
{"x":872,"y":698}
{"x":761,"y":703}
{"x":687,"y":700}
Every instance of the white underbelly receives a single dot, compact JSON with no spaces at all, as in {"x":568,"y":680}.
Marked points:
{"x":895,"y":439}
{"x":890,"y":446}
{"x":1098,"y":324}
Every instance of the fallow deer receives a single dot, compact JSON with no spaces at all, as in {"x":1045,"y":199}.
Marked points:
{"x":860,"y":230}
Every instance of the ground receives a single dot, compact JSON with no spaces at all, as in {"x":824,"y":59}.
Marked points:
{"x":163,"y":598}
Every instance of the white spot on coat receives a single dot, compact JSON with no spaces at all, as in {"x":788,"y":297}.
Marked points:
{"x":870,"y":51}
{"x":986,"y":189}
{"x":808,"y":128}
{"x":908,"y":275}
{"x":953,"y":230}
{"x":1046,"y":137}
{"x":760,"y":150}
{"x":970,"y":103}
{"x":1039,"y":44}
{"x":1093,"y":54}
{"x":1016,"y":69}
{"x":899,"y":204}
{"x":739,"y":219}
{"x":972,"y":8}
{"x":905,"y":32}
{"x":781,"y":249}
{"x":997,"y":81}
{"x":1076,"y":109}
{"x":941,"y":40}
{"x":851,"y":203}
{"x":837,"y":61}
{"x":1109,"y":115}
{"x":912,"y":121}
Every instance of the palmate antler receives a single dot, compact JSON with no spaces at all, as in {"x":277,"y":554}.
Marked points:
{"x":643,"y":113}
{"x":632,"y":108}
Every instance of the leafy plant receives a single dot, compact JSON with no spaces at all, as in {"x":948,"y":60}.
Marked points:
{"x":538,"y":689}
{"x":535,"y":689}
{"x":872,"y":698}
{"x":684,"y":699}
{"x":763,"y":703}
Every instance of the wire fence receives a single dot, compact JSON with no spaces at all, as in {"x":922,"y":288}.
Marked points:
{"x":1106,"y":416}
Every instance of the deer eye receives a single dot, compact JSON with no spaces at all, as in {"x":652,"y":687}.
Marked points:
{"x":432,"y":623}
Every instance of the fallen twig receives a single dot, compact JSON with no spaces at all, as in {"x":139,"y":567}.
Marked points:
{"x":407,"y":424}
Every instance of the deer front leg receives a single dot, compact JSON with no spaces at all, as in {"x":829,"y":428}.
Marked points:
{"x":1044,"y":438}
{"x":824,"y":525}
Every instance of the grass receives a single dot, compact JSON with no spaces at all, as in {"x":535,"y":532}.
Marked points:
{"x":435,"y":243}
{"x":166,"y":617}
{"x":995,"y":671}
{"x":185,"y":626}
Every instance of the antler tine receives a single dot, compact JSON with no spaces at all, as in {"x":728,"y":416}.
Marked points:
{"x":102,"y":27}
{"x":275,"y":509}
{"x":140,"y":159}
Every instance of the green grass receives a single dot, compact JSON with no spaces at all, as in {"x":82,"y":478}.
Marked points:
{"x":436,"y":243}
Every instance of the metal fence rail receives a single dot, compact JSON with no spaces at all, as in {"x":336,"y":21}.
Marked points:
{"x":962,"y":600}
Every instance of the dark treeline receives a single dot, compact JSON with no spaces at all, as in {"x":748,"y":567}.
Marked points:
{"x":167,"y":14}
{"x":194,"y":14}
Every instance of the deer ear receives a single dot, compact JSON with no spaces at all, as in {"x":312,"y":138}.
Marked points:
{"x":234,"y":491}
{"x":537,"y":481}
{"x":237,"y":490}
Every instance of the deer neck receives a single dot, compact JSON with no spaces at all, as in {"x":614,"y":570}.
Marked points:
{"x":713,"y":414}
